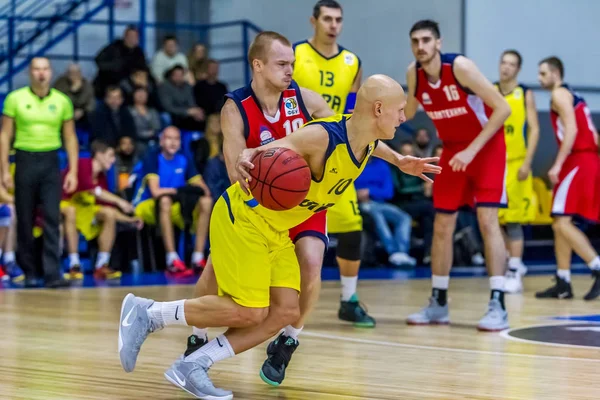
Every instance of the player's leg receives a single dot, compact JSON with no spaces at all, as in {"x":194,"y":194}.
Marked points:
{"x":205,"y":205}
{"x":10,"y":260}
{"x":515,"y":243}
{"x":107,"y":217}
{"x":69,"y":215}
{"x":165,"y":217}
{"x":563,"y":252}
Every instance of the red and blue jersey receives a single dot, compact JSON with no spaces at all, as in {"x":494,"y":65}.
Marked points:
{"x":585,"y":139}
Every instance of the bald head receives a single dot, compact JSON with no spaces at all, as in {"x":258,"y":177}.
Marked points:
{"x":170,"y":141}
{"x":379,"y":88}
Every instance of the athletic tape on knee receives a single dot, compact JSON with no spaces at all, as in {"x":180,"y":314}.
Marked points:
{"x":349,"y":245}
{"x":514,"y":231}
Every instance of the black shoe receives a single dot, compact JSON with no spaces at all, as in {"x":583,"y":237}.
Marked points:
{"x":194,"y":343}
{"x":57,"y":283}
{"x":595,"y":290}
{"x":31,"y":283}
{"x":561,"y":290}
{"x":353,"y":311}
{"x":279,"y":355}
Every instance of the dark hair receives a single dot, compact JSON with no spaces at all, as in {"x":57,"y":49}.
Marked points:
{"x":405,"y":142}
{"x":99,"y":146}
{"x":211,"y":61}
{"x":175,"y":68}
{"x":259,"y":45}
{"x":514,"y":53}
{"x":112,"y":88}
{"x":130,"y":28}
{"x":325,"y":3}
{"x":428,"y":24}
{"x":138,"y":88}
{"x":169,"y":37}
{"x":554,"y":63}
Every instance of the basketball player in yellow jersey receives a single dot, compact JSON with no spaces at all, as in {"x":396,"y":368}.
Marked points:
{"x":520,"y":150}
{"x":327,"y":68}
{"x":257,"y":270}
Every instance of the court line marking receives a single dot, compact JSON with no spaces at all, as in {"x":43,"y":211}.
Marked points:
{"x":506,"y":335}
{"x":448,"y":349}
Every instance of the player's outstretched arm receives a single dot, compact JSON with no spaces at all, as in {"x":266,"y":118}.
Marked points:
{"x":412,"y":104}
{"x":533,"y":134}
{"x":316,"y":104}
{"x":469,"y":76}
{"x":562,"y":103}
{"x":234,"y":141}
{"x":408,"y":164}
{"x":310,"y":142}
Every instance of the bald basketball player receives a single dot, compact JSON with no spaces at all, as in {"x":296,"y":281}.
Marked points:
{"x":256,"y":310}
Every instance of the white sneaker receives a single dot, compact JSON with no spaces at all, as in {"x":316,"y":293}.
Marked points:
{"x":512,"y":282}
{"x":398,"y":259}
{"x":496,"y":319}
{"x":478,"y":259}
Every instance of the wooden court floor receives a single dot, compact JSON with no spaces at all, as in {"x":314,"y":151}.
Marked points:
{"x":63,"y":345}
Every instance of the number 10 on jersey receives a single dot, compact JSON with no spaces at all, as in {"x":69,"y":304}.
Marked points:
{"x":292,"y":126}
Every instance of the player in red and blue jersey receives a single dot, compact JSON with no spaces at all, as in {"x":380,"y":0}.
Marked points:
{"x":468,"y":113}
{"x":576,"y":179}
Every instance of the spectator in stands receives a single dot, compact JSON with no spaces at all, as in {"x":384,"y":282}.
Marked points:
{"x":213,"y":134}
{"x":81,"y":93}
{"x":118,"y":60}
{"x":147,"y":120}
{"x":91,"y":211}
{"x":423,"y":146}
{"x":35,"y":116}
{"x":177,"y":98}
{"x":210,"y":92}
{"x":414,"y":196}
{"x":168,"y":57}
{"x":374,"y":187}
{"x":124,"y":166}
{"x":111,"y":119}
{"x":215,"y":172}
{"x":9,"y":270}
{"x":140,"y":78}
{"x":197,"y":62}
{"x":172,"y":192}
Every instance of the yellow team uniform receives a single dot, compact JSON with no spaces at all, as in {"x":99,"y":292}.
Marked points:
{"x":332,"y":78}
{"x":520,"y":193}
{"x":251,"y":247}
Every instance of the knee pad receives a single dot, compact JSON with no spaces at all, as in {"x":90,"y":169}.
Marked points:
{"x":349,"y":245}
{"x":514,"y":231}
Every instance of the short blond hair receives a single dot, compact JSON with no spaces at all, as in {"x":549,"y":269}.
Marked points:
{"x":261,"y":43}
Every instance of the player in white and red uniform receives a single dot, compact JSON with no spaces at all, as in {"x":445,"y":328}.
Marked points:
{"x":469,"y":115}
{"x":576,"y":178}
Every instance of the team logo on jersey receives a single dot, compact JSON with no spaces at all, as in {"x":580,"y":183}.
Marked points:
{"x":291,"y":106}
{"x":179,"y":171}
{"x":52,"y":108}
{"x":265,"y":136}
{"x":349,"y":59}
{"x":518,"y":93}
{"x":425,"y":98}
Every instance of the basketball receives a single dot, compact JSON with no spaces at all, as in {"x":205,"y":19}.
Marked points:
{"x":280,"y":178}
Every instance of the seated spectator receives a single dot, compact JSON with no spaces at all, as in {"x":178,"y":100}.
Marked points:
{"x":210,"y":92}
{"x":374,"y":187}
{"x":215,"y":172}
{"x":124,"y":167}
{"x":414,"y":196}
{"x":168,"y":57}
{"x":91,"y":211}
{"x":168,"y":182}
{"x":197,"y":62}
{"x":146,"y":119}
{"x":9,"y":270}
{"x":118,"y":60}
{"x":213,"y":135}
{"x":111,"y":119}
{"x":423,"y":146}
{"x":81,"y":93}
{"x":177,"y":98}
{"x":140,"y":78}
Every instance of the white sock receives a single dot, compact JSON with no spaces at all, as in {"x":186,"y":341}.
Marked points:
{"x":292,"y":332}
{"x":514,"y":263}
{"x":595,"y":263}
{"x":217,"y":349}
{"x":440,"y":282}
{"x":197,"y":256}
{"x":168,"y":312}
{"x":171,"y":257}
{"x":9,"y":257}
{"x":74,"y":259}
{"x":564,"y":274}
{"x":103,"y":258}
{"x":202,"y":333}
{"x":497,"y":283}
{"x":348,"y":286}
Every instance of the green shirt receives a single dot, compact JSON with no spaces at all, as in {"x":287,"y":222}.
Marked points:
{"x":38,"y":121}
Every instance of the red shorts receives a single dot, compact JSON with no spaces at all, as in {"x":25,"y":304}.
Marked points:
{"x":578,"y":190}
{"x":314,"y":226}
{"x":482,"y":184}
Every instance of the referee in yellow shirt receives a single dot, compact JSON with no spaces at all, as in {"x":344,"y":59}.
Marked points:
{"x":35,"y":116}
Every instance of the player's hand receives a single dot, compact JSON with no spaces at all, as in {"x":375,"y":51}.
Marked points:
{"x":523,"y":172}
{"x":419,"y":166}
{"x":462,"y":159}
{"x":7,"y":181}
{"x":70,"y":183}
{"x":126,"y":207}
{"x":363,"y":195}
{"x":243,"y":167}
{"x":139,"y":224}
{"x":554,"y":172}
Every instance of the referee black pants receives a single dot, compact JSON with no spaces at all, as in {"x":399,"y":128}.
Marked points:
{"x":38,"y":182}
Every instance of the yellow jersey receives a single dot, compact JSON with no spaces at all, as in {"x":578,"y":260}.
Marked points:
{"x":515,"y":126}
{"x":339,"y":172}
{"x":331,"y":77}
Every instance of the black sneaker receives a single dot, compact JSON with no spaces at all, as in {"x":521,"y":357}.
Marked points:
{"x":279,"y":354}
{"x":353,"y":311}
{"x":194,"y":343}
{"x":561,"y":290}
{"x":595,"y":290}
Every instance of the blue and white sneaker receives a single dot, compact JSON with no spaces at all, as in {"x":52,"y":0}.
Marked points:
{"x":192,"y":376}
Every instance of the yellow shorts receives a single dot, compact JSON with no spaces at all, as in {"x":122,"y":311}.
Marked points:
{"x":146,"y":210}
{"x":249,"y":256}
{"x":520,"y":209}
{"x":345,"y":216}
{"x":85,"y":218}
